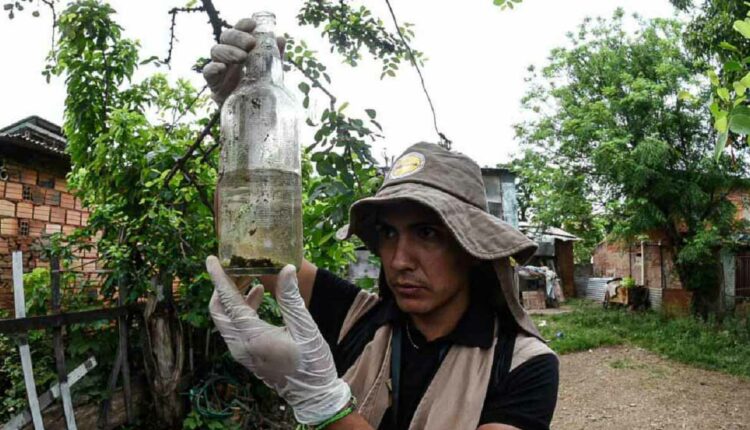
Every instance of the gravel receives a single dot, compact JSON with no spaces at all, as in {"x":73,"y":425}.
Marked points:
{"x":630,"y":388}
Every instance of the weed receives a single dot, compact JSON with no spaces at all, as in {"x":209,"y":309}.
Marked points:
{"x":709,"y":345}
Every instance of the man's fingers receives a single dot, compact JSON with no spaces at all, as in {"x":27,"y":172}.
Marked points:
{"x":214,"y":73}
{"x":228,"y":54}
{"x":245,"y":24}
{"x":255,"y":297}
{"x":281,"y":42}
{"x":233,"y":302}
{"x":297,"y":319}
{"x":238,"y":39}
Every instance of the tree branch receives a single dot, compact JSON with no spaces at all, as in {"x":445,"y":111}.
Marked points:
{"x":181,"y":162}
{"x":174,"y":11}
{"x":316,"y":82}
{"x":54,"y":20}
{"x":217,"y":23}
{"x":444,"y":141}
{"x":201,"y":192}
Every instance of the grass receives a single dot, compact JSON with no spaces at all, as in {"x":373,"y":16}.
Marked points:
{"x":723,"y":347}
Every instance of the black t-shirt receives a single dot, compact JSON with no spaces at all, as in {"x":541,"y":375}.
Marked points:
{"x":524,"y":397}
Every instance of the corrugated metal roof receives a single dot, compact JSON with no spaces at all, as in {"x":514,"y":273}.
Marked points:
{"x":37,"y":134}
{"x":535,"y":231}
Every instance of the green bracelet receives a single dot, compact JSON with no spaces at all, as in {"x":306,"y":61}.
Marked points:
{"x":348,"y":409}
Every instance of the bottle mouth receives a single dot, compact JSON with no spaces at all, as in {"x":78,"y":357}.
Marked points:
{"x":264,"y":21}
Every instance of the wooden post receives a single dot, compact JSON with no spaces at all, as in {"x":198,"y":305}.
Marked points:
{"x":62,"y":376}
{"x":120,"y":366}
{"x":28,"y":371}
{"x":122,"y":326}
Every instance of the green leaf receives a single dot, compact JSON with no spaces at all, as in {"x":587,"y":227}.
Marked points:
{"x":685,"y":95}
{"x":721,"y":143}
{"x":714,"y":78}
{"x":746,"y":80}
{"x":723,"y":93}
{"x":743,"y":27}
{"x":732,"y":66}
{"x":739,"y":120}
{"x":728,"y":46}
{"x":721,"y":124}
{"x":304,"y":87}
{"x":739,"y":89}
{"x":370,"y":113}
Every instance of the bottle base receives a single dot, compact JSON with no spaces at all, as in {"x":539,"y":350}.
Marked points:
{"x":250,"y":271}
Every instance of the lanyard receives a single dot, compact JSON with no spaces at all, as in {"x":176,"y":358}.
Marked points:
{"x":396,"y":368}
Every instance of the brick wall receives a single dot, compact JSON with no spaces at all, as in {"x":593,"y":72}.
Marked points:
{"x":612,"y":259}
{"x":35,"y":203}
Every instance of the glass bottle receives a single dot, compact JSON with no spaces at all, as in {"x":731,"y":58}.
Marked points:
{"x":259,"y":208}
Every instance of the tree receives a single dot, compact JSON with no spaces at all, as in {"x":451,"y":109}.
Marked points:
{"x":625,"y":112}
{"x":549,"y":195}
{"x":144,"y":157}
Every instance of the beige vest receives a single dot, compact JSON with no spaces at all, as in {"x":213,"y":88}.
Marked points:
{"x":453,"y":400}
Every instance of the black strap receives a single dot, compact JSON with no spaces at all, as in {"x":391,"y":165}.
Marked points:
{"x":395,"y":372}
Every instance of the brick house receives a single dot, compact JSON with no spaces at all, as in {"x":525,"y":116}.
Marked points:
{"x":34,"y":198}
{"x":650,"y":263}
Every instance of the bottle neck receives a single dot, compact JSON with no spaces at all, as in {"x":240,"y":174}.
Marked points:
{"x":264,"y":62}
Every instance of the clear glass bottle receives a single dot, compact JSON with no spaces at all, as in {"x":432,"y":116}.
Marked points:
{"x":259,"y":191}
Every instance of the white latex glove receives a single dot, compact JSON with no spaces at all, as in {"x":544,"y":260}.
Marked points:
{"x":224,"y":71}
{"x":294,"y":360}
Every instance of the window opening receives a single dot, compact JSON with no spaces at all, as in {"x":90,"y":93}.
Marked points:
{"x":24,"y":228}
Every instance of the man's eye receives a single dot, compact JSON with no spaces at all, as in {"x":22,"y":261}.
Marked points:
{"x":427,"y":232}
{"x":385,"y":231}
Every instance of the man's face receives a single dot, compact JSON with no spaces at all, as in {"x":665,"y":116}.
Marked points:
{"x":426,"y":269}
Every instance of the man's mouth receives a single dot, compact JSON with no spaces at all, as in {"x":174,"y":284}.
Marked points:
{"x":408,"y":289}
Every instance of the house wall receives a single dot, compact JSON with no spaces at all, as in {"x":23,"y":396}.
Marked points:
{"x":34,"y":203}
{"x":612,"y":259}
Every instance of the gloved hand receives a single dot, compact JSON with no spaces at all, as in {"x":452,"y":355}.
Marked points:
{"x":294,"y":360}
{"x":224,"y":71}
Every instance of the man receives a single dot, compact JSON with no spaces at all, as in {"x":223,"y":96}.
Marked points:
{"x":445,"y":343}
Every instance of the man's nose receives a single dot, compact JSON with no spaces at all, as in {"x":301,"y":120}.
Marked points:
{"x":403,"y":258}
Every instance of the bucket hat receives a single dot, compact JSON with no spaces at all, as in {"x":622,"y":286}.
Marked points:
{"x":451,"y":184}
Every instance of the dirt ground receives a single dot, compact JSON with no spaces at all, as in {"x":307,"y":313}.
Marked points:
{"x":630,"y":388}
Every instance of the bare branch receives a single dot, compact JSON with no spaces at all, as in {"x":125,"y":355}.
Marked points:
{"x":181,"y":162}
{"x":51,"y":5}
{"x":444,"y":141}
{"x":174,"y":11}
{"x":217,"y":23}
{"x":201,"y":192}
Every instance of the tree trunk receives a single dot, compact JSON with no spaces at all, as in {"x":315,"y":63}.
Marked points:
{"x":163,"y":353}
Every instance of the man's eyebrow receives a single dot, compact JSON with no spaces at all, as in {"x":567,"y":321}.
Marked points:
{"x":434,"y":224}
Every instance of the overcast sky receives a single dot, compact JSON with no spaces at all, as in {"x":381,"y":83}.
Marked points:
{"x":478,"y":56}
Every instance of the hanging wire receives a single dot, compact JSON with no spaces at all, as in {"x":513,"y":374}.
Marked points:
{"x":444,"y":141}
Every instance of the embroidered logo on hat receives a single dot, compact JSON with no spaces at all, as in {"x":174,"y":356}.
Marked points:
{"x":408,"y":164}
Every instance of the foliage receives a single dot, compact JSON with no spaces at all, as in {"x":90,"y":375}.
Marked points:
{"x":20,"y":5}
{"x":708,"y":345}
{"x":729,"y":108}
{"x":719,"y":33}
{"x":125,"y":137}
{"x":549,"y":195}
{"x":627,"y":282}
{"x":506,"y":4}
{"x":623,"y":113}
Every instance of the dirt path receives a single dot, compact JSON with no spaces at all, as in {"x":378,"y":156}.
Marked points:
{"x":630,"y":388}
